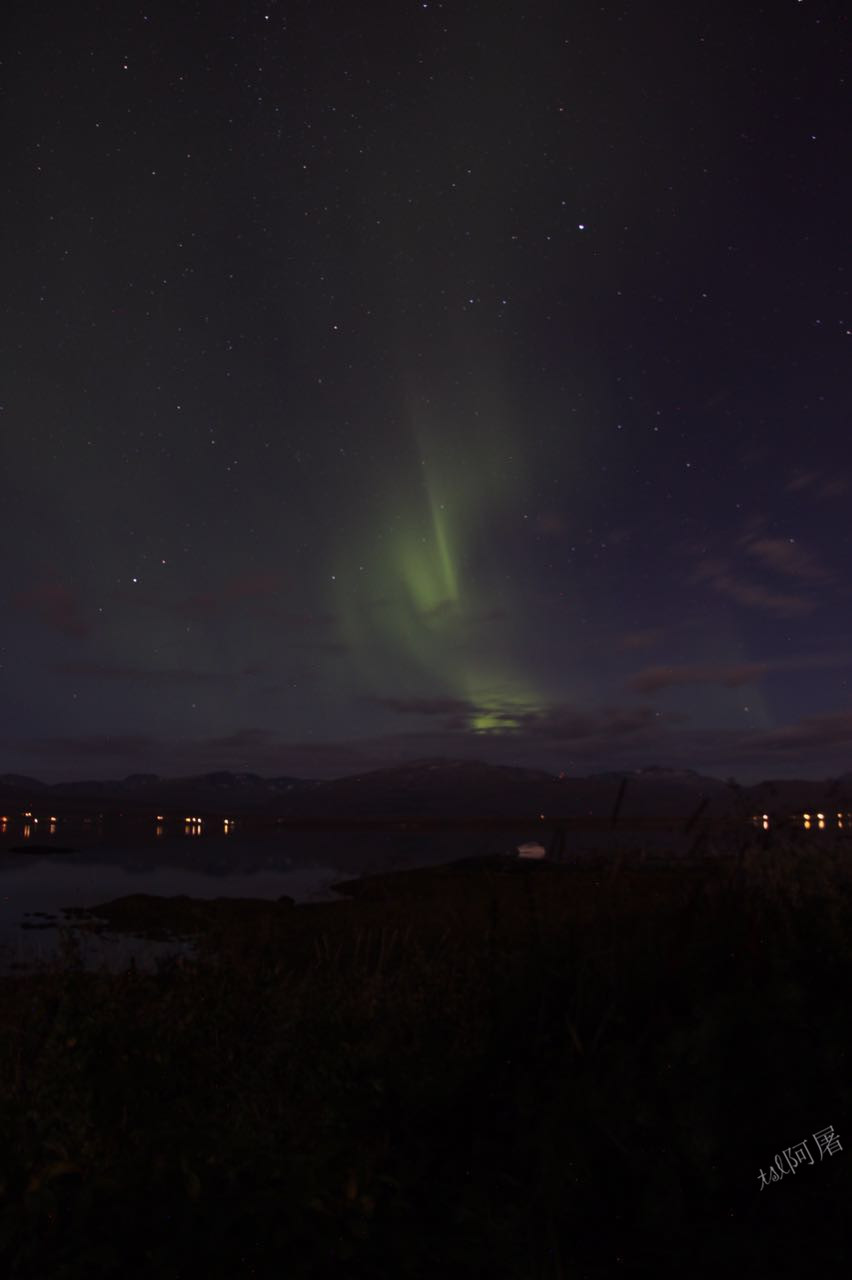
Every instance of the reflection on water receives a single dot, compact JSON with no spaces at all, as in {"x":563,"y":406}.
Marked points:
{"x":212,"y":859}
{"x":29,"y":950}
{"x":96,"y":862}
{"x":34,"y":894}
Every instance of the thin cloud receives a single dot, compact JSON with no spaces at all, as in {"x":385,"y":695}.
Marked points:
{"x":652,"y":679}
{"x":53,"y":605}
{"x":785,"y":557}
{"x":729,"y":674}
{"x":565,"y":723}
{"x":811,"y":732}
{"x":752,"y":594}
{"x":568,"y":724}
{"x":629,"y":641}
{"x":819,"y":484}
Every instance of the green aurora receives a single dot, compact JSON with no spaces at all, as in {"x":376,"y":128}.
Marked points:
{"x":431,"y":578}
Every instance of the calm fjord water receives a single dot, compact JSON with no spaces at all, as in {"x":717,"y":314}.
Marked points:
{"x":35,"y":887}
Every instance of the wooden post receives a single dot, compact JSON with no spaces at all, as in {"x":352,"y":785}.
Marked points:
{"x":693,"y":848}
{"x":557,"y":845}
{"x":618,"y":800}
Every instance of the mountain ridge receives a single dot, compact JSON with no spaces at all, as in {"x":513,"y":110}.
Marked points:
{"x":429,"y":786}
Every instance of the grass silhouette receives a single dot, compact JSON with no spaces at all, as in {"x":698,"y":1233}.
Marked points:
{"x":492,"y":1069}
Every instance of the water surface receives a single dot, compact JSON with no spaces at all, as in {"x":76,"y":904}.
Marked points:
{"x":198,"y":862}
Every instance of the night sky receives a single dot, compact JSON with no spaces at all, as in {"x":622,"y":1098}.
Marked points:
{"x":391,"y":381}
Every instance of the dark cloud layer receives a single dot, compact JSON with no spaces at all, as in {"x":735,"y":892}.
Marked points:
{"x":619,"y":738}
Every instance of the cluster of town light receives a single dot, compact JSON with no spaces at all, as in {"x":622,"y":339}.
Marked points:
{"x":809,"y":821}
{"x":193,"y":824}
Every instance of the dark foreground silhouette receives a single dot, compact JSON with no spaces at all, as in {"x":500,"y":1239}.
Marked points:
{"x":495,"y":1069}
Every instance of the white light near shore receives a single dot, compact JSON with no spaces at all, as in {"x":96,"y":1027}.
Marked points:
{"x":531,"y":849}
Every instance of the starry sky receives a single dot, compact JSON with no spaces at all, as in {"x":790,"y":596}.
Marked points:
{"x":418,"y":379}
